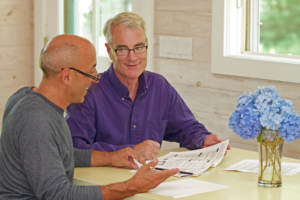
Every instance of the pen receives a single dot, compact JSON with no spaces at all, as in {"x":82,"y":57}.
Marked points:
{"x":182,"y":172}
{"x":137,"y":163}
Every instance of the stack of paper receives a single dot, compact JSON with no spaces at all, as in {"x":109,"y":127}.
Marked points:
{"x":194,"y":162}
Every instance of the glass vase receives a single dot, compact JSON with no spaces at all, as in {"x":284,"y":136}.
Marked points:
{"x":270,"y":150}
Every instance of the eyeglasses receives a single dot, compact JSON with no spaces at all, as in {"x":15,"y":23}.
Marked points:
{"x":124,"y":50}
{"x":96,"y":78}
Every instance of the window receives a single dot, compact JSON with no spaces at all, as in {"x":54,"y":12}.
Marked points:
{"x":85,"y":18}
{"x":272,"y":27}
{"x":260,"y":39}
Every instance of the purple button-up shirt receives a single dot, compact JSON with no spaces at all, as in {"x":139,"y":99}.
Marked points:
{"x":109,"y":120}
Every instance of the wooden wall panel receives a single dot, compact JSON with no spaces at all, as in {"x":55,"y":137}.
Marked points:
{"x":16,"y":47}
{"x":182,"y":24}
{"x":201,"y":6}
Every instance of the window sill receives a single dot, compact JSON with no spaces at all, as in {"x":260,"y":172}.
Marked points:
{"x":257,"y":66}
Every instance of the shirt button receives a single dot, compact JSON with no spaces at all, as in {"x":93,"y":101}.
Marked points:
{"x":123,"y":98}
{"x":133,"y":126}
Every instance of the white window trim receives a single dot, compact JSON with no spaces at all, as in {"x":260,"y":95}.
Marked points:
{"x":145,"y":8}
{"x":226,"y":55}
{"x":48,"y":22}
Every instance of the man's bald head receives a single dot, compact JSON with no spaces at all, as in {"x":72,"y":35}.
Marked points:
{"x":65,"y":51}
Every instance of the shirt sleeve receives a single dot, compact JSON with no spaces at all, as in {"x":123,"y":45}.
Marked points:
{"x":81,"y":119}
{"x":182,"y":126}
{"x":44,"y":166}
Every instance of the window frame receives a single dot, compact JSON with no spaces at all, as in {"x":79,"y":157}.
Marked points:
{"x":228,"y":58}
{"x":49,"y":21}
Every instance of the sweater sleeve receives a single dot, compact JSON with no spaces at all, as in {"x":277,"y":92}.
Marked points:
{"x":82,"y":157}
{"x":43,"y":163}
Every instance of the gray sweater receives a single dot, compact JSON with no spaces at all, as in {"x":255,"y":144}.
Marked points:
{"x":36,"y":153}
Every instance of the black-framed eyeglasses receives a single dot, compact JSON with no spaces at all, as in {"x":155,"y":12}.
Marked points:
{"x":96,"y":78}
{"x":124,"y":50}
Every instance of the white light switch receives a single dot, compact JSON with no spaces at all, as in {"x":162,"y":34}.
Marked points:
{"x":176,"y":47}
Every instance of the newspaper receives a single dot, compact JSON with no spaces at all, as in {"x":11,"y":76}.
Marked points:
{"x":194,"y":162}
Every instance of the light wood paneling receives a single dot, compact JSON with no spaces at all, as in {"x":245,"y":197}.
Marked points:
{"x":12,"y":12}
{"x":182,"y":23}
{"x":16,"y":47}
{"x":201,"y":6}
{"x":15,"y":56}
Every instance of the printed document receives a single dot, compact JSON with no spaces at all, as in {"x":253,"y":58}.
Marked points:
{"x":194,"y":162}
{"x":251,"y":166}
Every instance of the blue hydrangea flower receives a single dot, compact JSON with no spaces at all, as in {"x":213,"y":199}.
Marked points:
{"x":245,"y":122}
{"x":245,"y":100}
{"x":264,"y":109}
{"x":290,"y":128}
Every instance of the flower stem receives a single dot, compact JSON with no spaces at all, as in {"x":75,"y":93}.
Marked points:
{"x":270,"y":145}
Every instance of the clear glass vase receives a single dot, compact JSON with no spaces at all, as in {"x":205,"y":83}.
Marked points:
{"x":270,"y":150}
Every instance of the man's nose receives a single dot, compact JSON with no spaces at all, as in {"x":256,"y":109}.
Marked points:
{"x":131,"y":54}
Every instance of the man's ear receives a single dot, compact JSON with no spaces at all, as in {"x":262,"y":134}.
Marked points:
{"x":109,"y":51}
{"x":65,"y":76}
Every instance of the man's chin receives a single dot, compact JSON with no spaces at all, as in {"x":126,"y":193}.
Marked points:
{"x":81,"y":100}
{"x":133,"y":74}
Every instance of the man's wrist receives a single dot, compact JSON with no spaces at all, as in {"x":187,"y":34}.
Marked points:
{"x":131,"y":187}
{"x":100,"y":158}
{"x":118,"y":190}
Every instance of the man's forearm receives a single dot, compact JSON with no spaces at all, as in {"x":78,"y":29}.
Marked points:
{"x":118,"y":191}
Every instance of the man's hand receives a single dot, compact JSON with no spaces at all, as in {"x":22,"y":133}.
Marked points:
{"x":149,"y":149}
{"x":211,"y":140}
{"x":124,"y":158}
{"x":148,"y":178}
{"x":121,"y":158}
{"x":145,"y":179}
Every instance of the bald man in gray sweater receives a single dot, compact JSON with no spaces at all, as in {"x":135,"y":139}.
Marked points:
{"x":36,"y":154}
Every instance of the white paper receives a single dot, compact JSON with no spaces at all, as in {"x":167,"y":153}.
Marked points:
{"x":186,"y":187}
{"x":252,"y":166}
{"x":195,"y":161}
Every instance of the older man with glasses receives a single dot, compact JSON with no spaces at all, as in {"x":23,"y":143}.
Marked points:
{"x":131,"y":107}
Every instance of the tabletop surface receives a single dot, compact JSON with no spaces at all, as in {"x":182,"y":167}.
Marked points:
{"x":242,"y":186}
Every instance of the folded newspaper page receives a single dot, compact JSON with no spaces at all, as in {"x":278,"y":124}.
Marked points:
{"x":194,"y":162}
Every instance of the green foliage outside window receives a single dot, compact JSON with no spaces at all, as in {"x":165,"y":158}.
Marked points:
{"x":280,"y":26}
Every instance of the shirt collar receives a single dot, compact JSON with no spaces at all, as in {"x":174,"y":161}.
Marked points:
{"x":122,"y":89}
